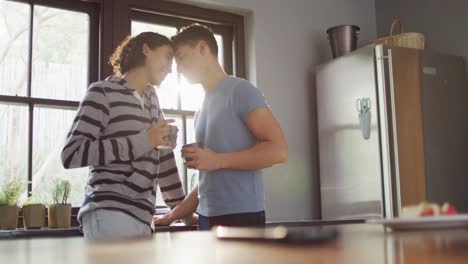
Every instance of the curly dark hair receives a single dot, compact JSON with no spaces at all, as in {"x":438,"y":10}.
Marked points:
{"x":129,"y":53}
{"x":193,"y":33}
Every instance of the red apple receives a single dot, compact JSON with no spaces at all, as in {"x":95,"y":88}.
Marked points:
{"x":428,"y":209}
{"x":427,"y":212}
{"x":448,"y":209}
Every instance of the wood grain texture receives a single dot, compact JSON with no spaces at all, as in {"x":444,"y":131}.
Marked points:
{"x":358,"y":243}
{"x":409,"y":124}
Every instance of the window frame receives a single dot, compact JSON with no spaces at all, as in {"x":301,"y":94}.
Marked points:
{"x":92,"y":10}
{"x":124,"y":10}
{"x":165,"y":20}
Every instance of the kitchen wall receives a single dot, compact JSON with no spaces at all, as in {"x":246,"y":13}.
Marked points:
{"x":285,"y":41}
{"x":442,"y":22}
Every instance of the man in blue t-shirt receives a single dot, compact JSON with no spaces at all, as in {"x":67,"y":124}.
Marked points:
{"x":239,"y":133}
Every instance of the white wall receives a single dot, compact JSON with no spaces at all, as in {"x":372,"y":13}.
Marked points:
{"x":285,"y":41}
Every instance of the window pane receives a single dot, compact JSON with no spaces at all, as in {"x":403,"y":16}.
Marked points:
{"x":180,"y":143}
{"x":14,"y":47}
{"x":49,"y":137}
{"x":168,"y":90}
{"x":139,"y":27}
{"x":192,"y":175}
{"x":219,"y":41}
{"x":190,"y":130}
{"x":60,"y":54}
{"x":13,"y":143}
{"x":179,"y":161}
{"x":192,"y":95}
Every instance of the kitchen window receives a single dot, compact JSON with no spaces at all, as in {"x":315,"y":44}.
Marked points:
{"x":48,"y":57}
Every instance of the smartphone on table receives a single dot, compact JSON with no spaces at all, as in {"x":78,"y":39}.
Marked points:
{"x":279,"y":234}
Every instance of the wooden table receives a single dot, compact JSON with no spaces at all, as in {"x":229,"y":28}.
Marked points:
{"x":358,"y":243}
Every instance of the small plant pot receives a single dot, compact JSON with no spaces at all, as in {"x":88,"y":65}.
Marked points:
{"x":9,"y":217}
{"x":34,"y":216}
{"x":60,"y":216}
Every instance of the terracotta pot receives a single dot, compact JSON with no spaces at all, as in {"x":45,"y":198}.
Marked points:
{"x":60,"y":215}
{"x":9,"y":217}
{"x":33,"y":216}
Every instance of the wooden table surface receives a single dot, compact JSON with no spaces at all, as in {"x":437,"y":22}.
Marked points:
{"x":358,"y":243}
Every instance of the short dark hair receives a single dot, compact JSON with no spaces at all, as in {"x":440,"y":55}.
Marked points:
{"x":129,"y":53}
{"x":193,"y":33}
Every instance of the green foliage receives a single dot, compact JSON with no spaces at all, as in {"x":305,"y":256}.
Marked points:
{"x":61,"y":191}
{"x":11,"y":191}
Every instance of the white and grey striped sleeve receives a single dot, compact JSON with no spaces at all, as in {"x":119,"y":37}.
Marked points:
{"x":84,"y":145}
{"x":169,"y":180}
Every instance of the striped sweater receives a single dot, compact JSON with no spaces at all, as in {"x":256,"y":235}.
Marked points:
{"x":109,"y":136}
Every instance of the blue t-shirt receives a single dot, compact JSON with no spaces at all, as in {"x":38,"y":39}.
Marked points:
{"x":221,"y":125}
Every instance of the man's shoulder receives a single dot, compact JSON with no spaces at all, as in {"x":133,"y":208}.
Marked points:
{"x":239,"y":81}
{"x":238,"y":84}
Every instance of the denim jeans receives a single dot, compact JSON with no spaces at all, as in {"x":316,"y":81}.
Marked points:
{"x":102,"y":224}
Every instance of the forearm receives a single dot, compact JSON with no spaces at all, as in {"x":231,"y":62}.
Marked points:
{"x":83,"y":152}
{"x":263,"y":155}
{"x":187,"y":207}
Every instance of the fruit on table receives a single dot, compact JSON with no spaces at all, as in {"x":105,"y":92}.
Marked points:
{"x":428,"y":209}
{"x":448,"y":209}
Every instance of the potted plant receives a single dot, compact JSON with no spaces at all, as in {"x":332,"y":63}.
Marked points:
{"x":33,"y":213}
{"x":9,"y":197}
{"x":60,"y":211}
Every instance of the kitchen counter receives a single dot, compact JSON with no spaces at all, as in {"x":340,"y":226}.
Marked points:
{"x":75,"y":231}
{"x":357,"y":243}
{"x":177,"y":227}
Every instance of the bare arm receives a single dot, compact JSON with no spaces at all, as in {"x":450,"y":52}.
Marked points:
{"x":185,"y":209}
{"x":271,"y":147}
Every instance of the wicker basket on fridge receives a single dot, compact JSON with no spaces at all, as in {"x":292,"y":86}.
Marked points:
{"x":405,"y":40}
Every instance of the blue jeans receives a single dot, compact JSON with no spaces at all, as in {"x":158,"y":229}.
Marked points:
{"x":102,"y":224}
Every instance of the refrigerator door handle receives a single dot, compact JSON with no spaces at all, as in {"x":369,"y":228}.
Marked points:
{"x":382,"y":63}
{"x":394,"y":132}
